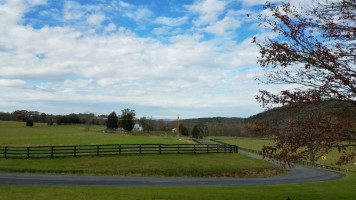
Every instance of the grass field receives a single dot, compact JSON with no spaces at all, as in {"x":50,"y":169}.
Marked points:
{"x":330,"y":190}
{"x":257,"y":144}
{"x":16,"y":133}
{"x":189,"y":165}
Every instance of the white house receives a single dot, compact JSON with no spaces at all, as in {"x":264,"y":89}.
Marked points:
{"x":138,"y":127}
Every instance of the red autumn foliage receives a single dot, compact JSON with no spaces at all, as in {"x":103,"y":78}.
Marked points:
{"x":315,"y":51}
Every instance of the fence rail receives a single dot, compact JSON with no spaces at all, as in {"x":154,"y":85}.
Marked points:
{"x":112,"y":149}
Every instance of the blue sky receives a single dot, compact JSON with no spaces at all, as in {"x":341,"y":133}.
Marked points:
{"x":160,"y":58}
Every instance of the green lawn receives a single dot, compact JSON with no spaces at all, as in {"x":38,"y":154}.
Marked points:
{"x":331,"y":190}
{"x":257,"y":144}
{"x":16,"y":133}
{"x":173,"y":165}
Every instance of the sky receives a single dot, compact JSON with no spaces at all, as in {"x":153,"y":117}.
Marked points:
{"x":160,"y":58}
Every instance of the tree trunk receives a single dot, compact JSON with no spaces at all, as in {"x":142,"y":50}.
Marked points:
{"x":311,"y":153}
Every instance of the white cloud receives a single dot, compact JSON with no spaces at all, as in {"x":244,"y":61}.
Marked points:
{"x":67,"y":64}
{"x":80,"y":83}
{"x":230,"y":22}
{"x":141,"y":14}
{"x":170,"y":31}
{"x":72,"y":10}
{"x":125,"y":5}
{"x":133,"y":12}
{"x":131,"y":66}
{"x":95,"y":19}
{"x":11,"y":12}
{"x":37,"y":2}
{"x":248,"y":3}
{"x":208,"y":11}
{"x":12,"y":82}
{"x":169,"y":21}
{"x":111,"y":27}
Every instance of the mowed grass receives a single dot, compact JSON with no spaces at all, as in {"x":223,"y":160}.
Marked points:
{"x":208,"y":165}
{"x":172,"y":165}
{"x":17,"y":134}
{"x":330,"y":190}
{"x":257,"y":144}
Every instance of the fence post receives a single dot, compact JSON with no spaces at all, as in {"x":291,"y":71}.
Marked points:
{"x":194,"y":149}
{"x":207,"y":148}
{"x":97,"y":150}
{"x":217,"y":148}
{"x":178,"y":148}
{"x":75,"y":151}
{"x":225,"y":148}
{"x":119,"y":149}
{"x":51,"y":151}
{"x":28,"y":151}
{"x":5,"y":151}
{"x":160,"y":148}
{"x":140,"y":150}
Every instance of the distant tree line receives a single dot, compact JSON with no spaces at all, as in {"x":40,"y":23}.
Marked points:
{"x":201,"y":127}
{"x":24,"y":115}
{"x":217,"y":126}
{"x":38,"y":117}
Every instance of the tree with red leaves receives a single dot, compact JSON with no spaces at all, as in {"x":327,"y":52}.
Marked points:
{"x":314,"y":50}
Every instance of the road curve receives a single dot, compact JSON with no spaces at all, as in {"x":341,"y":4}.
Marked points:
{"x":297,"y":175}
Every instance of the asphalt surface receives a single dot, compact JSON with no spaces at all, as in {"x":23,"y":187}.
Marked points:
{"x":297,"y":175}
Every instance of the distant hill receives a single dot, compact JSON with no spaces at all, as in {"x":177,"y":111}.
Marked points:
{"x":275,"y":115}
{"x":214,"y":120}
{"x":235,"y":126}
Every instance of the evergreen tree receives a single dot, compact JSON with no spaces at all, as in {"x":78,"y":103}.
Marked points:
{"x":128,"y":119}
{"x":112,"y":122}
{"x":29,"y":122}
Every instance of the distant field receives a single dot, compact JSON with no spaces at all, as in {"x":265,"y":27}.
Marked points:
{"x":257,"y":144}
{"x":16,"y":133}
{"x":250,"y":143}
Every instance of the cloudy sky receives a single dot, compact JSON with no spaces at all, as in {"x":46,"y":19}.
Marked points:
{"x":158,"y":57}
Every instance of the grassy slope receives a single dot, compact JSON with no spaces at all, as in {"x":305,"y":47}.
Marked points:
{"x":331,"y":190}
{"x":203,"y":165}
{"x":257,"y":144}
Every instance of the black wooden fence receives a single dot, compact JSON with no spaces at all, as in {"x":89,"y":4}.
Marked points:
{"x":112,"y":149}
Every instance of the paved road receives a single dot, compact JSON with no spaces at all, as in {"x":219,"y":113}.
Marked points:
{"x":297,"y":175}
